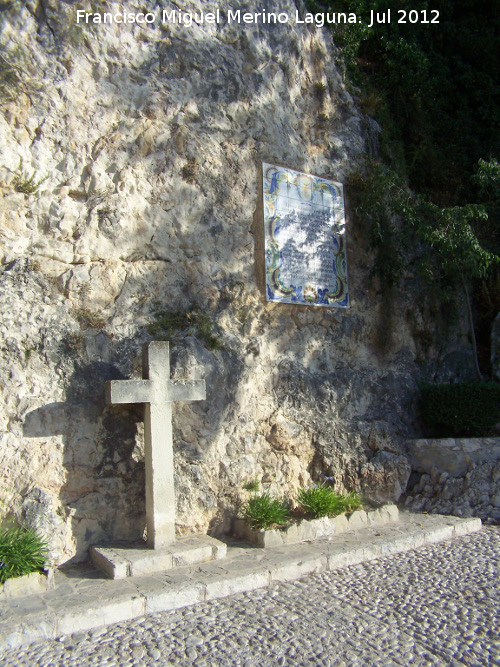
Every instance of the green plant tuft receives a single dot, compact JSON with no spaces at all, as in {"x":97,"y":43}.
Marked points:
{"x":320,"y":89}
{"x":10,"y":81}
{"x":75,"y":342}
{"x":252,"y":485}
{"x":264,"y":511}
{"x":21,"y":551}
{"x":24,"y":184}
{"x":459,"y":410}
{"x":167,"y":324}
{"x":352,"y":502}
{"x":27,"y":186}
{"x":190,"y":171}
{"x":321,"y":500}
{"x":89,"y":319}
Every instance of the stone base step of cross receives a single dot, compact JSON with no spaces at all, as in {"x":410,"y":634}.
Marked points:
{"x":119,"y":562}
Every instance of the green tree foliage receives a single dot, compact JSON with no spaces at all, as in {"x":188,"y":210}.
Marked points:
{"x":435,"y":91}
{"x":443,"y":243}
{"x":401,"y":220}
{"x":438,"y":81}
{"x":487,"y":179}
{"x":459,"y":410}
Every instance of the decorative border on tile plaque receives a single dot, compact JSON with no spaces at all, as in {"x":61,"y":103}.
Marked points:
{"x":304,"y":227}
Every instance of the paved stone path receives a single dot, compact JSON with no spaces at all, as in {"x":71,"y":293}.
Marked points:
{"x":438,"y":605}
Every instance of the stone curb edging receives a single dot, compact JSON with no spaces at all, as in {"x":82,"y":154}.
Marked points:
{"x":120,"y":600}
{"x":313,"y":529}
{"x":28,"y":584}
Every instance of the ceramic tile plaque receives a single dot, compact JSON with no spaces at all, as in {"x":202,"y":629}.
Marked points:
{"x":304,"y":225}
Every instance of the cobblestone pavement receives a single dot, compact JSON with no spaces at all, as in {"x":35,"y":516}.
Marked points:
{"x":439,"y":605}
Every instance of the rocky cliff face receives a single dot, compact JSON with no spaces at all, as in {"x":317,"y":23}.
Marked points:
{"x":130,"y":170}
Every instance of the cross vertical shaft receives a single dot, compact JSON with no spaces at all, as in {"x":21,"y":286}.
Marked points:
{"x":159,"y":465}
{"x":157,"y":391}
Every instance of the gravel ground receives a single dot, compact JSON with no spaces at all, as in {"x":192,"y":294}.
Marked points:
{"x":439,"y":605}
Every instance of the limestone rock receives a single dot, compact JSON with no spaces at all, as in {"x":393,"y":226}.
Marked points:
{"x":384,"y":477}
{"x":43,"y":512}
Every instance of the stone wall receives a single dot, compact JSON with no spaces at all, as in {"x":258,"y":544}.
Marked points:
{"x":455,"y":476}
{"x":129,"y":176}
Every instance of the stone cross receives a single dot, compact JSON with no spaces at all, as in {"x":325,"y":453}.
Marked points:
{"x":157,"y":391}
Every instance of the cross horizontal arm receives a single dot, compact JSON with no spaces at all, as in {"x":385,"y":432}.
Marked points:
{"x":188,"y":390}
{"x":129,"y":391}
